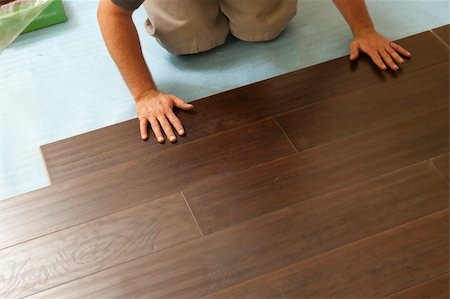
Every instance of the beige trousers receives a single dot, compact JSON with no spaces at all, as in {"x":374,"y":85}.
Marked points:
{"x":192,"y":26}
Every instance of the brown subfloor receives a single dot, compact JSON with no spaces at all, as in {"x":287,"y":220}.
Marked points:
{"x":331,"y":181}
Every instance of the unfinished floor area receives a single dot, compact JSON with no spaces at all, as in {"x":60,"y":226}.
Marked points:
{"x":330,"y":181}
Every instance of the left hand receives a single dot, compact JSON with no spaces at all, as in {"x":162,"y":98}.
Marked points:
{"x":382,"y":51}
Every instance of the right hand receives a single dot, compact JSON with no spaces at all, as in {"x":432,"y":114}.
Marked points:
{"x":157,"y":108}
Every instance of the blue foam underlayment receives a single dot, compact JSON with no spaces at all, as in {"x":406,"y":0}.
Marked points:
{"x":60,"y":81}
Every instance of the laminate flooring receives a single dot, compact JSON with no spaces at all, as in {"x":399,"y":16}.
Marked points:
{"x":102,"y":148}
{"x":331,"y":181}
{"x":443,"y":33}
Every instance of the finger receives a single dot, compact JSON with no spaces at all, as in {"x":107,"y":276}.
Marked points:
{"x":377,"y":60}
{"x":399,"y":49}
{"x":156,"y":129}
{"x":167,"y":128}
{"x":394,"y":55}
{"x":354,"y":51}
{"x":182,"y":104}
{"x":175,"y":122}
{"x":387,"y":59}
{"x":143,"y":124}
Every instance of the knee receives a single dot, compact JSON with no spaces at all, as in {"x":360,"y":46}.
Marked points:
{"x":181,"y":31}
{"x":259,"y":20}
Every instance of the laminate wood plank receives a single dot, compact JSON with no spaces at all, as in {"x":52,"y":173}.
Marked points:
{"x":218,"y":203}
{"x":443,"y":33}
{"x":106,"y":147}
{"x":436,"y":288}
{"x":135,"y":182}
{"x":367,"y":108}
{"x":441,"y":164}
{"x":272,"y":241}
{"x":66,"y":255}
{"x":371,"y":268}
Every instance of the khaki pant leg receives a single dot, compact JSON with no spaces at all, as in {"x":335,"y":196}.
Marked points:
{"x":258,"y":20}
{"x":186,"y":26}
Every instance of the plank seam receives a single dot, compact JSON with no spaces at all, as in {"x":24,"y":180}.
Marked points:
{"x":383,"y":125}
{"x":287,"y":136}
{"x":418,"y":284}
{"x":347,"y":93}
{"x":329,"y":251}
{"x":331,"y":192}
{"x":192,"y":214}
{"x":433,"y":166}
{"x":440,"y":39}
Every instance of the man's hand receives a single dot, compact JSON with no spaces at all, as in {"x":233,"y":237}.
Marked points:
{"x":122,"y":41}
{"x":157,"y":108}
{"x":367,"y":40}
{"x":382,"y":51}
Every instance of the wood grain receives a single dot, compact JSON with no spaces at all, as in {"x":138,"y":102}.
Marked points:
{"x":371,"y":268}
{"x":436,"y":288}
{"x":66,"y":255}
{"x":361,"y":211}
{"x":367,"y":108}
{"x":441,"y":163}
{"x":275,"y":240}
{"x":443,"y":33}
{"x":218,"y":203}
{"x":135,"y":182}
{"x":89,"y":152}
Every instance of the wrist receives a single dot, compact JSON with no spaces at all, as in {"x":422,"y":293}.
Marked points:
{"x":363,"y":30}
{"x":146,"y":93}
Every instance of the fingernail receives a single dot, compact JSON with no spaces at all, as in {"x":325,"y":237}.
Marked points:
{"x":160,"y":139}
{"x":384,"y":67}
{"x":395,"y":67}
{"x":172,"y":138}
{"x":181,"y":132}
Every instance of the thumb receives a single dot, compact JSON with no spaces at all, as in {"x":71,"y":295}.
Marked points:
{"x":182,"y":104}
{"x":354,"y":51}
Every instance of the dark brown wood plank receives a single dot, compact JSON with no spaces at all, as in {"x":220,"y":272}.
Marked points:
{"x":276,"y":240}
{"x":135,"y":182}
{"x":371,"y":268}
{"x":441,"y":165}
{"x":367,"y":108}
{"x":218,"y":203}
{"x":78,"y":251}
{"x":106,"y":147}
{"x":443,"y":33}
{"x":436,"y":288}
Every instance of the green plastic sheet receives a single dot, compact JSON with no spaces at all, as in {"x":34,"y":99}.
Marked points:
{"x":16,"y":16}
